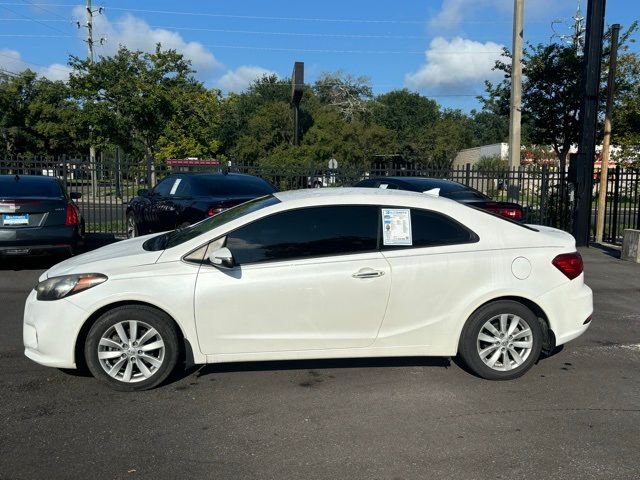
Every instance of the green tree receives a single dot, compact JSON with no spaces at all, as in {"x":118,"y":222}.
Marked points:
{"x":438,"y":145}
{"x":404,"y":112}
{"x":489,"y":127}
{"x":192,"y":130}
{"x":37,"y":116}
{"x":550,"y":95}
{"x":130,"y":98}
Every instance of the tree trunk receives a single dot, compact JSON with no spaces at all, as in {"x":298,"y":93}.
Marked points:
{"x":151,"y":170}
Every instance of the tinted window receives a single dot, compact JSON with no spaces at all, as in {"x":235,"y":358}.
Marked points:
{"x":462,"y":195}
{"x":164,"y":187}
{"x":29,"y":187}
{"x":171,"y":239}
{"x":307,"y":232}
{"x":229,"y":185}
{"x":430,"y":229}
{"x":182,"y":189}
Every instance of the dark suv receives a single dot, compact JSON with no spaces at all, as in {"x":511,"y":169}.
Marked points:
{"x":182,"y":199}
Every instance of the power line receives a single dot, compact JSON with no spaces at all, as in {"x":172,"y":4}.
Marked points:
{"x":46,"y":10}
{"x":51,"y":20}
{"x":300,"y":34}
{"x":34,"y":35}
{"x":259,"y":17}
{"x":376,"y":52}
{"x":31,"y":18}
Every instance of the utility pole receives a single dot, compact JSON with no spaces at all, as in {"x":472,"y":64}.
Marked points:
{"x":604,"y":167}
{"x":588,"y":118}
{"x":516,"y":84}
{"x":90,"y":58}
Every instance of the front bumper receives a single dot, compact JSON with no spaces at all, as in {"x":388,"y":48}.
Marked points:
{"x":568,"y":307}
{"x":50,"y":330}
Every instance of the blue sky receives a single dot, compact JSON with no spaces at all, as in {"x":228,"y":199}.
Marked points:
{"x":441,"y":48}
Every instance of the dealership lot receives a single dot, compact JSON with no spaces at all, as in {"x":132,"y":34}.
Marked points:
{"x":574,"y":415}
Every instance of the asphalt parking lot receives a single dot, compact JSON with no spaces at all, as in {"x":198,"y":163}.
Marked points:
{"x":575,"y":415}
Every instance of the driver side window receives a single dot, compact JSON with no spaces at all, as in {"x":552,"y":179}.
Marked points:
{"x":164,"y":187}
{"x":306,"y":232}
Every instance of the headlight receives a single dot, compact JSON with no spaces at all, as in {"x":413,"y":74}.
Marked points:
{"x":55,"y":288}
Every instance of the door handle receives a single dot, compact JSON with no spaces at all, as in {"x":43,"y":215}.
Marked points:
{"x":368,"y":273}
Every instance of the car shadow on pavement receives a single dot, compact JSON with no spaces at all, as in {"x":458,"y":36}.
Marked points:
{"x":543,"y":356}
{"x":341,"y":363}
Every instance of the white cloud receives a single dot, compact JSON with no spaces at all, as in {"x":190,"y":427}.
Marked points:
{"x":136,"y":34}
{"x":456,"y":66}
{"x":11,"y":61}
{"x":240,"y":78}
{"x":453,"y":12}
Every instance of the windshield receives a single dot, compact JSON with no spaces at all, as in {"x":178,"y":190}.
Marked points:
{"x":176,"y":237}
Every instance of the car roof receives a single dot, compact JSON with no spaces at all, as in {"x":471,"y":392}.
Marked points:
{"x":426,"y":183}
{"x":354,"y":194}
{"x":216,"y":175}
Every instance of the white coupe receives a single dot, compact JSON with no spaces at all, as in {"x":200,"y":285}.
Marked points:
{"x":309,"y":274}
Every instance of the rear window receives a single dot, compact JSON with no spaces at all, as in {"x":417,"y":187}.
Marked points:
{"x":24,"y":187}
{"x":461,"y":195}
{"x":229,"y":185}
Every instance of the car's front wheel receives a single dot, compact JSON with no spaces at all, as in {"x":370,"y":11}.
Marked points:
{"x":501,"y":340}
{"x":132,"y":348}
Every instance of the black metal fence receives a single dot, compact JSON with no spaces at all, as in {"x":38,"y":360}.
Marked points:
{"x":110,"y":182}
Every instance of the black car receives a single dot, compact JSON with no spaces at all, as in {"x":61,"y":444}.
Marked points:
{"x":448,"y":189}
{"x":38,"y":216}
{"x":182,"y":199}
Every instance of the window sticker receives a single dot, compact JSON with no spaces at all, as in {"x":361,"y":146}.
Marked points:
{"x":396,"y":226}
{"x":175,"y":186}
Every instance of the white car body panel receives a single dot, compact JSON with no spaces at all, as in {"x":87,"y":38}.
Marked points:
{"x":315,"y":308}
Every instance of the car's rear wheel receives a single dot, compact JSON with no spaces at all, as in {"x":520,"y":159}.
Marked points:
{"x":132,"y":348}
{"x":501,"y":340}
{"x":132,"y":227}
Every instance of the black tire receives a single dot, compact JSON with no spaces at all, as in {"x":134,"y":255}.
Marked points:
{"x":132,"y":226}
{"x":469,"y":343}
{"x":166,"y":330}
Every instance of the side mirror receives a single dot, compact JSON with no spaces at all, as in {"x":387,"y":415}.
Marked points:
{"x":75,"y":195}
{"x":222,"y":258}
{"x":143,"y":192}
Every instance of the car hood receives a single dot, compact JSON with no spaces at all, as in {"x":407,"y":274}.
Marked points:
{"x":119,"y":255}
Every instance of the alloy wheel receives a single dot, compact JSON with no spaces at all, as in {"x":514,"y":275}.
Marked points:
{"x":504,"y":342}
{"x":131,"y":351}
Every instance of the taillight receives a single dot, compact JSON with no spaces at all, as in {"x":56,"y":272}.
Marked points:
{"x":513,"y":213}
{"x":72,"y":215}
{"x":570,"y":264}
{"x":213,"y":211}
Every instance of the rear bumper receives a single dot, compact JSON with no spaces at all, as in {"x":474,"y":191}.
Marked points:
{"x":36,"y":240}
{"x":568,"y":307}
